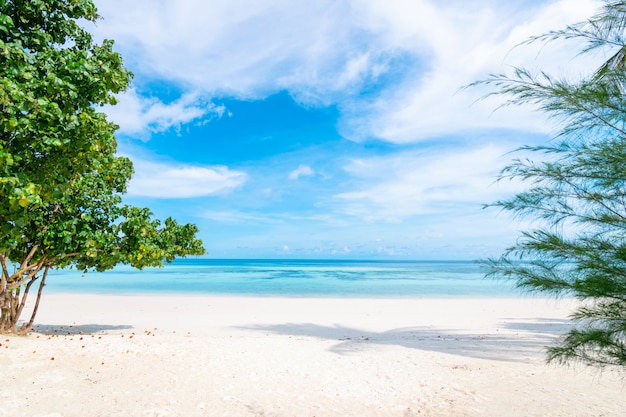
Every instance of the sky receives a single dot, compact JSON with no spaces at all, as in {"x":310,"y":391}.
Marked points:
{"x":331,"y":129}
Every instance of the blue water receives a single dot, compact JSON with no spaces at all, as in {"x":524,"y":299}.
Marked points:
{"x":290,"y":278}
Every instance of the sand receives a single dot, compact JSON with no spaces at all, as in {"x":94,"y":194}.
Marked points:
{"x":100,"y":355}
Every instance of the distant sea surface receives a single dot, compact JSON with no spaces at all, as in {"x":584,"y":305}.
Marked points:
{"x":289,"y":278}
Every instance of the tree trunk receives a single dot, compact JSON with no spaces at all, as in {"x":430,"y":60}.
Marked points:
{"x":8,"y":311}
{"x":28,"y":327}
{"x":14,"y":288}
{"x":11,"y":306}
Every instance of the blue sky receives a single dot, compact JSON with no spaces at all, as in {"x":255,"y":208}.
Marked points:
{"x":327,"y":128}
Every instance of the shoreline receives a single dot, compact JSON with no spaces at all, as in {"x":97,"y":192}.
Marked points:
{"x":273,"y":356}
{"x":319,"y":296}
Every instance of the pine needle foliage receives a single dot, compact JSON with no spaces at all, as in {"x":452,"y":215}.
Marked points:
{"x":576,"y":192}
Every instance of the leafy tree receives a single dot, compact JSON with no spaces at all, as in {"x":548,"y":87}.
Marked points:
{"x":577,"y":193}
{"x":60,"y":179}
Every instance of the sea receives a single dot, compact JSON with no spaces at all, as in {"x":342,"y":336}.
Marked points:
{"x":290,"y":278}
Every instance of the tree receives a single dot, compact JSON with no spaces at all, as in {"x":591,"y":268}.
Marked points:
{"x":577,"y":193}
{"x":60,"y":180}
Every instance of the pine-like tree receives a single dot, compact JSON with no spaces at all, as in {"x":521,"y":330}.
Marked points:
{"x":577,"y":192}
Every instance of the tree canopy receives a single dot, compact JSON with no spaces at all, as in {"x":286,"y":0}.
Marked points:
{"x":61,"y":181}
{"x":577,"y":191}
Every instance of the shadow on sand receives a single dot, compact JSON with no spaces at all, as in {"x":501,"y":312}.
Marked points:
{"x":77,"y":329}
{"x":516,"y":343}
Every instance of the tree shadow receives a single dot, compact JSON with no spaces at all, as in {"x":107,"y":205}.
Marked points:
{"x":541,"y":326}
{"x":77,"y":329}
{"x":529,"y":340}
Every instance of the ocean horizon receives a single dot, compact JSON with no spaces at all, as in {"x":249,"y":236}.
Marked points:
{"x":290,"y":278}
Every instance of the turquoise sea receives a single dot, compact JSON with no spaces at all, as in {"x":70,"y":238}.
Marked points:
{"x":290,"y":278}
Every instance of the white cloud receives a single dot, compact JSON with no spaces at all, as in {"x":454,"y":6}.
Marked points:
{"x":465,"y":44}
{"x":140,"y":116}
{"x":236,"y":216}
{"x":393,"y":188}
{"x":392,"y":68}
{"x":274,"y":218}
{"x":412,"y":56}
{"x":301,"y":171}
{"x":242,"y":48}
{"x":181,"y":181}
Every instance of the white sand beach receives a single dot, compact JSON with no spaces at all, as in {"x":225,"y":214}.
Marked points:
{"x":101,"y":355}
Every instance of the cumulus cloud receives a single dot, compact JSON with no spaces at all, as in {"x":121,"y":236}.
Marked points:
{"x":393,"y":68}
{"x":182,"y":181}
{"x":141,"y":116}
{"x":466,"y":44}
{"x":301,"y":171}
{"x":242,"y":48}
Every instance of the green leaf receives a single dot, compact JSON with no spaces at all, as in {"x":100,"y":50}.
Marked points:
{"x":60,"y":176}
